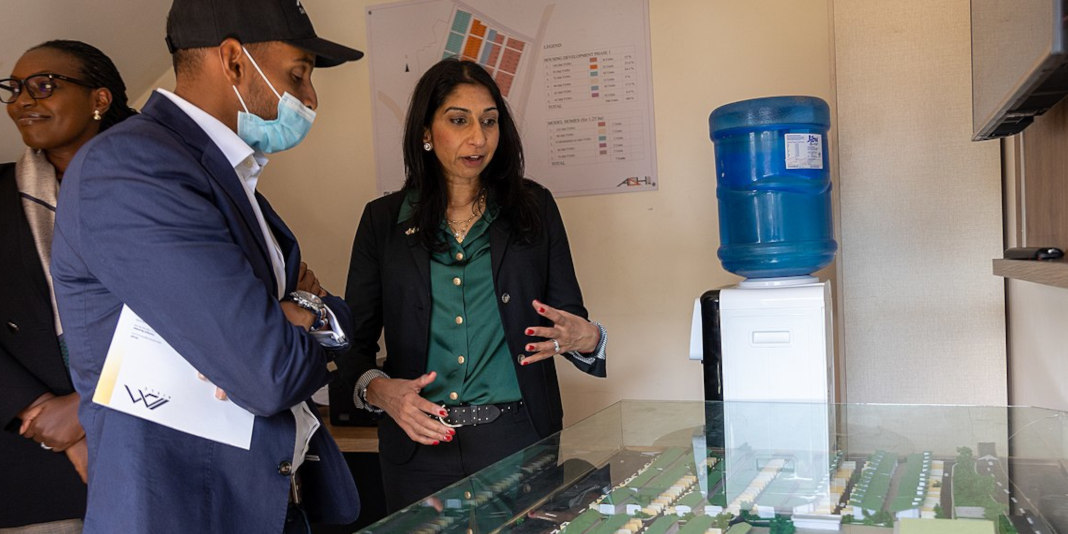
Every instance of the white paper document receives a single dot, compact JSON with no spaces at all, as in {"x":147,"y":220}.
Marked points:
{"x":145,"y":377}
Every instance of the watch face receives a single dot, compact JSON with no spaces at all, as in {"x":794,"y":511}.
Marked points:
{"x":310,"y":298}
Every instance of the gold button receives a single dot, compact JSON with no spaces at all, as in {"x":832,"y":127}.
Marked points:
{"x":453,"y":395}
{"x":459,"y":256}
{"x":460,"y":359}
{"x":467,"y":494}
{"x":459,"y":320}
{"x":456,"y":281}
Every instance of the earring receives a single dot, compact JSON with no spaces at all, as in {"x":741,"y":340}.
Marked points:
{"x":96,"y":115}
{"x":427,"y":146}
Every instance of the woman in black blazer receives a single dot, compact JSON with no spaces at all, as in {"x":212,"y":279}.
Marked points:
{"x":59,"y":95}
{"x":469,"y":272}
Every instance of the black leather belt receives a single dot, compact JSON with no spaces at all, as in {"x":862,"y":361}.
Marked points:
{"x":470,"y":415}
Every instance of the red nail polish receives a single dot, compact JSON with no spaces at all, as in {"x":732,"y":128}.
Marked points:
{"x":443,"y":413}
{"x":530,"y":348}
{"x":448,"y":438}
{"x":524,"y":362}
{"x":530,"y":331}
{"x":435,"y":442}
{"x":542,"y":310}
{"x":452,"y":431}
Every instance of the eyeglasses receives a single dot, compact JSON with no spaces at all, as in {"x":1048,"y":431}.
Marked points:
{"x":38,"y":86}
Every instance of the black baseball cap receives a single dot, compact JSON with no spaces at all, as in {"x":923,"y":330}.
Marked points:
{"x":204,"y":23}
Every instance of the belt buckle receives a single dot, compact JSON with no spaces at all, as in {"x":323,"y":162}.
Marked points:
{"x":448,"y":424}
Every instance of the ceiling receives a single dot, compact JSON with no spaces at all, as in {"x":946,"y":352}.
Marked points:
{"x":129,"y":31}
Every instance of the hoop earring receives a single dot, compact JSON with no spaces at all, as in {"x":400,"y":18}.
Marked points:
{"x":427,"y":146}
{"x":96,"y":115}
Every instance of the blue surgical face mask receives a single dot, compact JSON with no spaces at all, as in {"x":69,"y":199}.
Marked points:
{"x":284,"y":132}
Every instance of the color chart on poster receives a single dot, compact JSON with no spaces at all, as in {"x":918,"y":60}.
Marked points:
{"x":576,"y":75}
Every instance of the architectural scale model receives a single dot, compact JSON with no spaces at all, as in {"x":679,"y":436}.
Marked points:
{"x":675,"y":491}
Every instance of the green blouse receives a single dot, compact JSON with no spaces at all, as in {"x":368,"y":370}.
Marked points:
{"x":467,"y":344}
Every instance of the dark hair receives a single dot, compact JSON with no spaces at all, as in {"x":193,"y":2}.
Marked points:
{"x":502,"y":179}
{"x":99,"y":71}
{"x":186,"y":61}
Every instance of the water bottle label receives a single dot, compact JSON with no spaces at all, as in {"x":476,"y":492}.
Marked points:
{"x":804,"y":151}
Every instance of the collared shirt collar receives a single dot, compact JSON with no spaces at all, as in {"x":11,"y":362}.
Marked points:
{"x":412,"y":196}
{"x":247,"y":165}
{"x":234,"y":149}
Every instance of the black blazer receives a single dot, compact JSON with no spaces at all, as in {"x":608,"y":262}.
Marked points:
{"x":389,"y":286}
{"x":37,"y":485}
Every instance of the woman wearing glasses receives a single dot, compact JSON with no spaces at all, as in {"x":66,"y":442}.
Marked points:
{"x":59,"y":95}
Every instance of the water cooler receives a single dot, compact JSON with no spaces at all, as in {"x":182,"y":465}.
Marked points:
{"x":770,"y":337}
{"x":767,"y":340}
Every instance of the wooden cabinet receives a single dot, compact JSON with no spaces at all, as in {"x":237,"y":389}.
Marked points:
{"x":1039,"y":179}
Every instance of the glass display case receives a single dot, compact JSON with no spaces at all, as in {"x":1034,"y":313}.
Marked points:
{"x":656,"y":467}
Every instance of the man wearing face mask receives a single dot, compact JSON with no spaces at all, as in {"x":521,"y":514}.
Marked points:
{"x":161,"y":214}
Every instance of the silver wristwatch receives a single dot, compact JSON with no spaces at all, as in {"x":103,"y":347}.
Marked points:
{"x":312,"y":303}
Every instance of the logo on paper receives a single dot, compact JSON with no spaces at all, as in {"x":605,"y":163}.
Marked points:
{"x":150,"y":400}
{"x":635,"y":181}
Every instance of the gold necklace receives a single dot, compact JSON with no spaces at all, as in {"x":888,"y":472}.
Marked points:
{"x":477,"y":208}
{"x":460,"y":233}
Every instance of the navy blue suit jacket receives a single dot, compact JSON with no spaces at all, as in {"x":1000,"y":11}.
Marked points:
{"x":154,"y":217}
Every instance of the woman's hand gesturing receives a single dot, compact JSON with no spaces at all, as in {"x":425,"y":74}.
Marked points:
{"x":569,"y":332}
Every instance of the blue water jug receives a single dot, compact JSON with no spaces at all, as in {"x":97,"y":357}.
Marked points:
{"x":773,"y":185}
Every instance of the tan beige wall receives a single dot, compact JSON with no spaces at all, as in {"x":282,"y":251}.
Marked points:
{"x":1036,"y":343}
{"x":920,"y":209}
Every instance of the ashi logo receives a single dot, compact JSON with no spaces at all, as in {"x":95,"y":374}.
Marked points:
{"x":634,"y":181}
{"x":150,"y":399}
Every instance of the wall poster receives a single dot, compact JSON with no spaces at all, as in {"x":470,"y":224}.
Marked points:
{"x":576,"y":75}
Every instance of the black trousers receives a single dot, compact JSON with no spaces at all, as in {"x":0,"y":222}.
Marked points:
{"x":296,"y":521}
{"x":434,"y":467}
